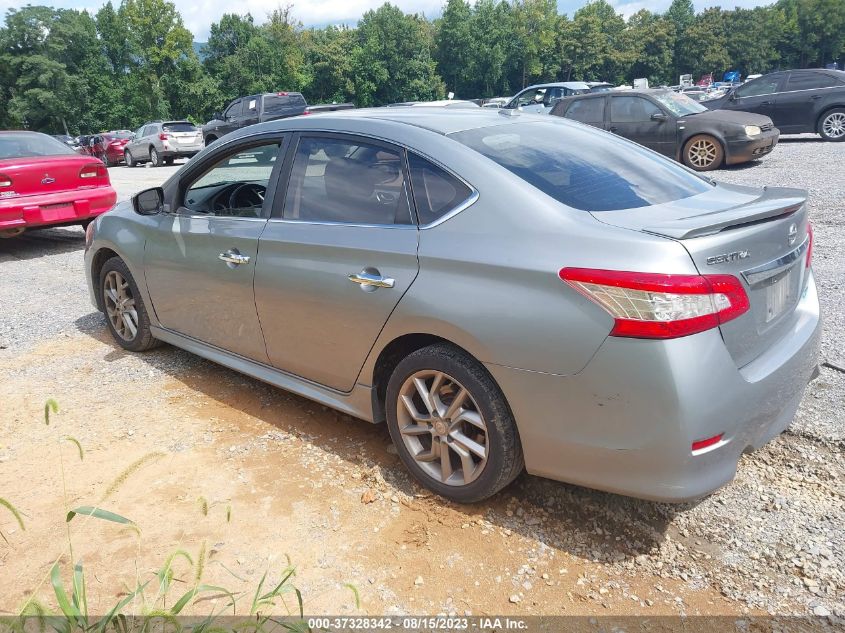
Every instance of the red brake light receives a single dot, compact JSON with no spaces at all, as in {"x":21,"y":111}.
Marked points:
{"x":700,"y":445}
{"x":654,"y":305}
{"x":163,"y":136}
{"x":93,"y":171}
{"x":5,"y":181}
{"x":809,"y":246}
{"x":282,"y":94}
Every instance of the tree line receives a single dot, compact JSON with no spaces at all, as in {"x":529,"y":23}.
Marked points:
{"x":63,"y":69}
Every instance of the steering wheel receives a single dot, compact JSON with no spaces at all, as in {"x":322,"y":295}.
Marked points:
{"x":253,"y":196}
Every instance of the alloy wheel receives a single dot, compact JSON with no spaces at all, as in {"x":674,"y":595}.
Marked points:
{"x":442,"y":427}
{"x":834,"y":125}
{"x":120,"y":306}
{"x":702,"y":153}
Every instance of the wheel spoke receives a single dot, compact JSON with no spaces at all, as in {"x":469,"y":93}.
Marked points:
{"x":112,"y":293}
{"x":411,"y":408}
{"x":415,"y":429}
{"x":422,"y":389}
{"x":467,"y":465}
{"x":470,"y":444}
{"x":472,"y":417}
{"x":456,"y":403}
{"x":446,"y":470}
{"x":127,"y":320}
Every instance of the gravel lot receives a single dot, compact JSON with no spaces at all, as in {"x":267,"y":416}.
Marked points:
{"x":773,"y":541}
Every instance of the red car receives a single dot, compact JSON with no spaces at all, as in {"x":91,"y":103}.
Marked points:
{"x":108,"y":146}
{"x":44,"y":182}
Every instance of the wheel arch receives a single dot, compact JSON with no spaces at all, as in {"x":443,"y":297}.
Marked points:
{"x":392,"y":354}
{"x":825,"y":111}
{"x":99,"y":260}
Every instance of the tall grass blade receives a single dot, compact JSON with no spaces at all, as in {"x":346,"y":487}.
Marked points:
{"x":50,"y":404}
{"x":165,"y":574}
{"x":75,"y":441}
{"x":14,"y":512}
{"x":191,"y":594}
{"x":354,"y":590}
{"x":79,"y":598}
{"x":115,"y":610}
{"x":128,"y":471}
{"x":67,"y":607}
{"x":105,"y":515}
{"x":256,"y":598}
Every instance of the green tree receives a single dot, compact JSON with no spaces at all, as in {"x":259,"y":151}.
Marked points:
{"x":330,"y":55}
{"x":648,"y":43}
{"x":393,"y":59}
{"x":490,"y":35}
{"x":454,"y":48}
{"x":681,"y":14}
{"x":704,"y":44}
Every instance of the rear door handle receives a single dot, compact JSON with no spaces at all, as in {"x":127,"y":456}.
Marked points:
{"x":768,"y":103}
{"x":814,"y":97}
{"x":371,"y":280}
{"x":233,"y":257}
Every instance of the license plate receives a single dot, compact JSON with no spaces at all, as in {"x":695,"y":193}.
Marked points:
{"x":778,"y":297}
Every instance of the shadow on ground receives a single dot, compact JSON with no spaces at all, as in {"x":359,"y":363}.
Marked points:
{"x":35,"y":243}
{"x":586,"y":523}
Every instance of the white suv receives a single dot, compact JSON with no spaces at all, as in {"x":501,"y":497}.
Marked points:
{"x":161,"y":142}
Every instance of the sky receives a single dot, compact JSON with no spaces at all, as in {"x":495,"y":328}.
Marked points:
{"x":199,"y":14}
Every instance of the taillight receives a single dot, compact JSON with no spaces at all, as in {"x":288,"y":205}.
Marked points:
{"x":653,"y":305}
{"x":93,"y":171}
{"x":5,"y":181}
{"x":809,"y":246}
{"x":700,"y":445}
{"x":163,"y":136}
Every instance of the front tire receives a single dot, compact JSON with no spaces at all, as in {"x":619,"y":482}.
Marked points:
{"x":125,"y":311}
{"x":703,"y":153}
{"x":832,"y":125}
{"x":451,"y":424}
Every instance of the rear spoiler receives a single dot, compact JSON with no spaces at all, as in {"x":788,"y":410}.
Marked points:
{"x":775,"y":202}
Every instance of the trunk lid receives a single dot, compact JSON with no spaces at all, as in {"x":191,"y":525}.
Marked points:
{"x":759,"y":236}
{"x":49,"y":174}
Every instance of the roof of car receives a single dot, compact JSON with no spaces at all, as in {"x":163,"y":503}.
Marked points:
{"x":574,"y":85}
{"x":439,"y":120}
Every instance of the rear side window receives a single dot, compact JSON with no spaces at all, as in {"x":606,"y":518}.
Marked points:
{"x":436,"y":191}
{"x":587,"y":111}
{"x":631,"y":109}
{"x":279,"y":104}
{"x":583,"y":168}
{"x":763,"y":86}
{"x":347,"y":181}
{"x":809,"y":81}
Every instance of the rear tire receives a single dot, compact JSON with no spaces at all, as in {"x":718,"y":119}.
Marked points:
{"x":465,"y":415}
{"x":127,"y":157}
{"x":126,"y":314}
{"x":832,"y":125}
{"x":168,"y":161}
{"x":703,"y":153}
{"x":155,"y":159}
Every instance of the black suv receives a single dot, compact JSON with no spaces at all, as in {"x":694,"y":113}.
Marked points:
{"x":797,"y":101}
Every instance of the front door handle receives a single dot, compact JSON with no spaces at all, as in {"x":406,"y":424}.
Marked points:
{"x":371,"y":280}
{"x":768,"y":103}
{"x":234,"y":258}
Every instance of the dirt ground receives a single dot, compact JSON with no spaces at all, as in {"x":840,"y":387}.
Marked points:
{"x":301,"y":481}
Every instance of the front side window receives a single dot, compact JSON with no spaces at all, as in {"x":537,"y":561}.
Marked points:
{"x":631,"y":109}
{"x":582,"y":168}
{"x":436,"y":191}
{"x":347,"y":181}
{"x":233,"y":110}
{"x":763,"y":86}
{"x":235,"y":185}
{"x":587,"y":111}
{"x":530,"y":97}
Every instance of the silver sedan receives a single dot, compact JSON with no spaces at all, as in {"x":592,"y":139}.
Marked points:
{"x":506,"y":291}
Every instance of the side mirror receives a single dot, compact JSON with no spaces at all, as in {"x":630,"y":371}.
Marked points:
{"x":217,"y":116}
{"x":659,"y":116}
{"x":149,"y":201}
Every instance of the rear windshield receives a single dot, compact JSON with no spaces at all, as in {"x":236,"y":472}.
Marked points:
{"x":279,"y":104}
{"x":178,"y":126}
{"x":121,"y":134}
{"x":583,"y":168}
{"x":28,"y":144}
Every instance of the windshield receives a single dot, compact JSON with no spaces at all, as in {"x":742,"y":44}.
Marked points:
{"x":29,"y":144}
{"x":679,"y":104}
{"x":581,"y":167}
{"x":178,"y":126}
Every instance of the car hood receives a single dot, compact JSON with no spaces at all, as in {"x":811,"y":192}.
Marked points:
{"x":730,"y":117}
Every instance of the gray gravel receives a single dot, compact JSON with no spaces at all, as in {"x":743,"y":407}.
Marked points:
{"x":772,"y":540}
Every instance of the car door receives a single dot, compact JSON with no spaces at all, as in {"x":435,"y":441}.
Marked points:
{"x":797,"y":107}
{"x":336,"y":257}
{"x":758,"y":96}
{"x":199,"y":261}
{"x":231,"y":117}
{"x":642,"y":121}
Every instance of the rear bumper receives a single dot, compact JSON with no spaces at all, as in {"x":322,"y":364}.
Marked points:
{"x":626,"y":422}
{"x":181,"y":152}
{"x":65,"y":207}
{"x":750,"y":148}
